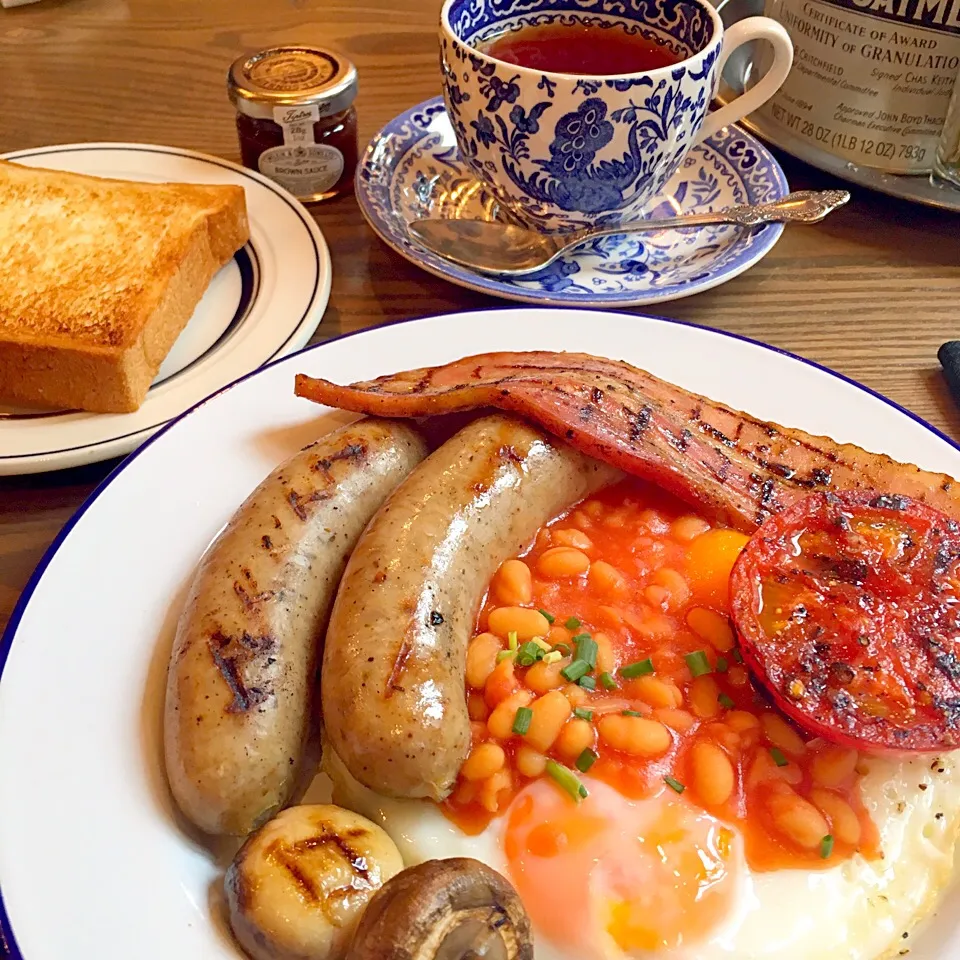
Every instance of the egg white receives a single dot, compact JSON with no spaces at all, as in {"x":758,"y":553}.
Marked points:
{"x":859,"y":910}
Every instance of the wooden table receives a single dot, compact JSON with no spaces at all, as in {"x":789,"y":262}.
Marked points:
{"x":872,"y":292}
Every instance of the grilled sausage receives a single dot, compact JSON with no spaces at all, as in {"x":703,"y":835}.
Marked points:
{"x":392,"y":683}
{"x":242,"y":671}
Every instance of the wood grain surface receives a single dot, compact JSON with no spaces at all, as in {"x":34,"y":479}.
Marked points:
{"x":872,"y":292}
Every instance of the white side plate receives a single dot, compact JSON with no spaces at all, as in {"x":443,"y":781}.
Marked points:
{"x":264,"y":304}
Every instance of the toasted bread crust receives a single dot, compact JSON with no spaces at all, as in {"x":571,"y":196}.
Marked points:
{"x":107,"y":275}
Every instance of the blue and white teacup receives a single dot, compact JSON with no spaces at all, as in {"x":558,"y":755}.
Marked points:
{"x":565,"y":151}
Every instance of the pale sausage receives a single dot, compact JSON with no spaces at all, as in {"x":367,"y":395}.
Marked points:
{"x":394,"y":700}
{"x":242,"y":671}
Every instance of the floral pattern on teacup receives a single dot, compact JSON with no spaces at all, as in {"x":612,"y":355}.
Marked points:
{"x":586,"y":151}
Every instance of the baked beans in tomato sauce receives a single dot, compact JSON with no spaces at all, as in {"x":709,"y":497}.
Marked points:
{"x":607,"y":647}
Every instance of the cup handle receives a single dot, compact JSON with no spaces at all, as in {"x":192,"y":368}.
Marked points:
{"x":750,"y":28}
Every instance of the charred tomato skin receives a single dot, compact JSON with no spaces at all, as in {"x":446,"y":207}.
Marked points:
{"x":847,"y":609}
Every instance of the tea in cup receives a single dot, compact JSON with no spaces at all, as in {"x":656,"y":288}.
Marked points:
{"x":574,"y":117}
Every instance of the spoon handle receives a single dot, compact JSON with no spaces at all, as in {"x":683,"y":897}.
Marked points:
{"x":803,"y":206}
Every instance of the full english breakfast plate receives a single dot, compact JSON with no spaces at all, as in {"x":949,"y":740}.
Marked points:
{"x":588,"y":663}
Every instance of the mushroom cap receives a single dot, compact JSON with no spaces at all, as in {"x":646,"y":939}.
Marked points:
{"x":444,"y":910}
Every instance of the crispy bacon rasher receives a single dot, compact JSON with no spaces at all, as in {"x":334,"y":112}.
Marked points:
{"x":734,"y":466}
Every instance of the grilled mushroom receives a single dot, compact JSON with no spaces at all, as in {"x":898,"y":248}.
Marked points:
{"x":457,"y":909}
{"x":299,"y":884}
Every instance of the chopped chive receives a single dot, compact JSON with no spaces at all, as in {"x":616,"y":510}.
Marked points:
{"x":826,"y":847}
{"x":525,"y":652}
{"x":608,"y":682}
{"x":630,"y":713}
{"x":529,"y":653}
{"x":582,"y":713}
{"x":512,"y":639}
{"x":542,"y":644}
{"x":587,"y":649}
{"x":737,"y":655}
{"x":637,"y":669}
{"x":674,"y":784}
{"x":698,"y":663}
{"x":726,"y":701}
{"x":588,"y":683}
{"x":563,"y":649}
{"x":575,"y":670}
{"x":554,"y":656}
{"x":572,"y":623}
{"x":778,"y":758}
{"x":521,"y":722}
{"x":505,"y":655}
{"x":549,"y":617}
{"x":722,"y":665}
{"x":567,"y":780}
{"x":586,"y":760}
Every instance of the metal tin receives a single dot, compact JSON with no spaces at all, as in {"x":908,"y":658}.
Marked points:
{"x":871,"y":78}
{"x":292,"y":77}
{"x":740,"y":73}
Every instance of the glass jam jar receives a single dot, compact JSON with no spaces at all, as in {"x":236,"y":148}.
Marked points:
{"x":296,"y":120}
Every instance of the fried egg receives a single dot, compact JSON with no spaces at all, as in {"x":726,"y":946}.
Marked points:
{"x":612,"y":878}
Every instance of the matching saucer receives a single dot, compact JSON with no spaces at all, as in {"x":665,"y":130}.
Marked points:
{"x":412,"y":169}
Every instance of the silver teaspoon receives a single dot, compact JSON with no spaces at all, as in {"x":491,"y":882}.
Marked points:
{"x":489,"y":246}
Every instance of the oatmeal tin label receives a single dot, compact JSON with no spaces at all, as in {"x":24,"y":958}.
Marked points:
{"x":306,"y":171}
{"x":871,"y":79}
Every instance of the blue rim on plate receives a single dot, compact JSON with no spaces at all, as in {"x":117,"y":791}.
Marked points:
{"x":411,"y":169}
{"x":8,"y":945}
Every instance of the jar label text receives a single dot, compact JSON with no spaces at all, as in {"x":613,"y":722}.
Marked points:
{"x":307,"y":171}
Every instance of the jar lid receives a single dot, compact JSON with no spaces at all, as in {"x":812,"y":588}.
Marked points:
{"x":289,"y":77}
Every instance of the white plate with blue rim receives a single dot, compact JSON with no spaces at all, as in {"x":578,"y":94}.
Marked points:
{"x":94,"y":862}
{"x":412,"y":169}
{"x":264,"y":304}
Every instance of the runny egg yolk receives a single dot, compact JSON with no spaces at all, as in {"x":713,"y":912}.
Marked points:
{"x":642,"y":875}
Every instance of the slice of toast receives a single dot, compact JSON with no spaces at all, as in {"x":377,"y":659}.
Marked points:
{"x":100,"y":277}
